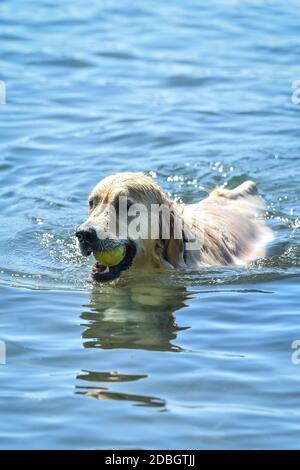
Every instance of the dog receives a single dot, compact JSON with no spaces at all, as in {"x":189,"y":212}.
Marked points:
{"x":223,"y":229}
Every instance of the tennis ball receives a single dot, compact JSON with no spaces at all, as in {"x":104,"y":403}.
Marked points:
{"x":110,"y":258}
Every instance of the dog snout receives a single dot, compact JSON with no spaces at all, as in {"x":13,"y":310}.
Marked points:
{"x":86,"y":235}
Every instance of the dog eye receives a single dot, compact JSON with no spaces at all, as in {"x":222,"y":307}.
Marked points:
{"x":91,"y":203}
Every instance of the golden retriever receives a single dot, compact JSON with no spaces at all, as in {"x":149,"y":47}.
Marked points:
{"x":131,"y":210}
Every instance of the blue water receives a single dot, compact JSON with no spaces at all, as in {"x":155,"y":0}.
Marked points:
{"x":200,"y":94}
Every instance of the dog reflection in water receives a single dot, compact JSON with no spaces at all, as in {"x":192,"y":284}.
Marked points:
{"x":132,"y":317}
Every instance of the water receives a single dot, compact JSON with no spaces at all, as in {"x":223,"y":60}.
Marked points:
{"x":199,"y":94}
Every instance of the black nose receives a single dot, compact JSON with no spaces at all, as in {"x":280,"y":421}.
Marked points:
{"x":87,"y":235}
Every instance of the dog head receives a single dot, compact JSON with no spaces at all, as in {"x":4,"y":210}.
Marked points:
{"x":131,"y":210}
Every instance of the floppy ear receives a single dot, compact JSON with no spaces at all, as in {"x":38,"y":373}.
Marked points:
{"x":173,"y":246}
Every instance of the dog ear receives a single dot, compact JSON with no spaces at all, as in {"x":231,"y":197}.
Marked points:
{"x":173,"y":246}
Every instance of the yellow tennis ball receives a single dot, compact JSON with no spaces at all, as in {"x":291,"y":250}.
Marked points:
{"x":110,"y":258}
